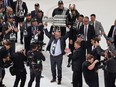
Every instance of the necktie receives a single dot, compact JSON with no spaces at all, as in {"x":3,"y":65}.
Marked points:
{"x":5,"y":2}
{"x":78,"y":26}
{"x":54,"y":46}
{"x":85,"y":34}
{"x":115,"y":32}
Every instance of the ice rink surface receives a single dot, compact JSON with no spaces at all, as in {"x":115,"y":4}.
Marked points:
{"x":106,"y":14}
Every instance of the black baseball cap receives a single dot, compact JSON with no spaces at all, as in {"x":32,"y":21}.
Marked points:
{"x":33,"y":20}
{"x":60,"y":2}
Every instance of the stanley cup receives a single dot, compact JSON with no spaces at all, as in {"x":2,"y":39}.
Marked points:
{"x":57,"y":20}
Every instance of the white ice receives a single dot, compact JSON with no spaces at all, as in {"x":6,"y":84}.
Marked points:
{"x":106,"y":14}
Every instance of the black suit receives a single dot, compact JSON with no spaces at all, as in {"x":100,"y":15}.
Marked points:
{"x":90,"y":35}
{"x":9,"y":3}
{"x":110,"y":34}
{"x":18,"y":61}
{"x":77,"y":60}
{"x":34,"y":13}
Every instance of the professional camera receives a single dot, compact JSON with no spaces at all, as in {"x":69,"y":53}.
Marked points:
{"x":25,"y":33}
{"x":34,"y":39}
{"x":30,"y":56}
{"x":12,"y":36}
{"x":21,"y":13}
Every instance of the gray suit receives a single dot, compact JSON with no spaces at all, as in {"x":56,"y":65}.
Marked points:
{"x":98,"y":28}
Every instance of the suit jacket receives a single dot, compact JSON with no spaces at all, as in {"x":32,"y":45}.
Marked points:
{"x":10,"y":3}
{"x":34,"y":14}
{"x":90,"y":33}
{"x":110,"y":34}
{"x":77,"y":59}
{"x":24,"y":6}
{"x":98,"y":28}
{"x":51,"y":37}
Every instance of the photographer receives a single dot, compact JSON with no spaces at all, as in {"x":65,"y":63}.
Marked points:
{"x":18,"y":59}
{"x":35,"y":59}
{"x":89,"y":71}
{"x":4,"y":57}
{"x":110,"y":64}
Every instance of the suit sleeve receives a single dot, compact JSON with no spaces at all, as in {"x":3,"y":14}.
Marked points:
{"x":110,"y":32}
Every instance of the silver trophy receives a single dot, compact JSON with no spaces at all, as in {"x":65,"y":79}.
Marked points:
{"x":57,"y":20}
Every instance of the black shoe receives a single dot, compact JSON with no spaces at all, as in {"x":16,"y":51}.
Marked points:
{"x":59,"y":82}
{"x":42,"y":76}
{"x":16,"y":41}
{"x":3,"y":85}
{"x":21,"y":42}
{"x":53,"y":80}
{"x":68,"y":65}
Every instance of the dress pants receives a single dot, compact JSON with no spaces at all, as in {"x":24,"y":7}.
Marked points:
{"x":20,"y":76}
{"x":56,"y":62}
{"x":77,"y":79}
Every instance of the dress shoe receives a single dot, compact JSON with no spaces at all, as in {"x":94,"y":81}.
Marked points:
{"x":53,"y":80}
{"x":68,"y":65}
{"x":21,"y":42}
{"x":59,"y":82}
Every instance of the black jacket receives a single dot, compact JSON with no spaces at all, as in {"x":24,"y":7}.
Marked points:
{"x":51,"y":37}
{"x":18,"y":59}
{"x":110,"y":34}
{"x":24,"y":6}
{"x":77,"y":59}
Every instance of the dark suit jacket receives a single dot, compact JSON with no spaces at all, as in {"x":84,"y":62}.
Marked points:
{"x":77,"y":59}
{"x":110,"y":34}
{"x":24,"y":7}
{"x":51,"y":37}
{"x":10,"y":3}
{"x":34,"y":14}
{"x":90,"y":34}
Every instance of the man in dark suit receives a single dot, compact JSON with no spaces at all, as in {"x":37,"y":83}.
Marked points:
{"x":88,"y":31}
{"x":8,"y":3}
{"x":56,"y":47}
{"x":34,"y":13}
{"x":112,"y":32}
{"x":77,"y":60}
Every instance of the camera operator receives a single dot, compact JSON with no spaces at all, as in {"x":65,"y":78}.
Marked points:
{"x":35,"y":59}
{"x":18,"y":59}
{"x":9,"y":32}
{"x":4,"y":57}
{"x":111,"y":64}
{"x":89,"y":71}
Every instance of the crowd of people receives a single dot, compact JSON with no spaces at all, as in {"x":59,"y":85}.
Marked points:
{"x":84,"y":52}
